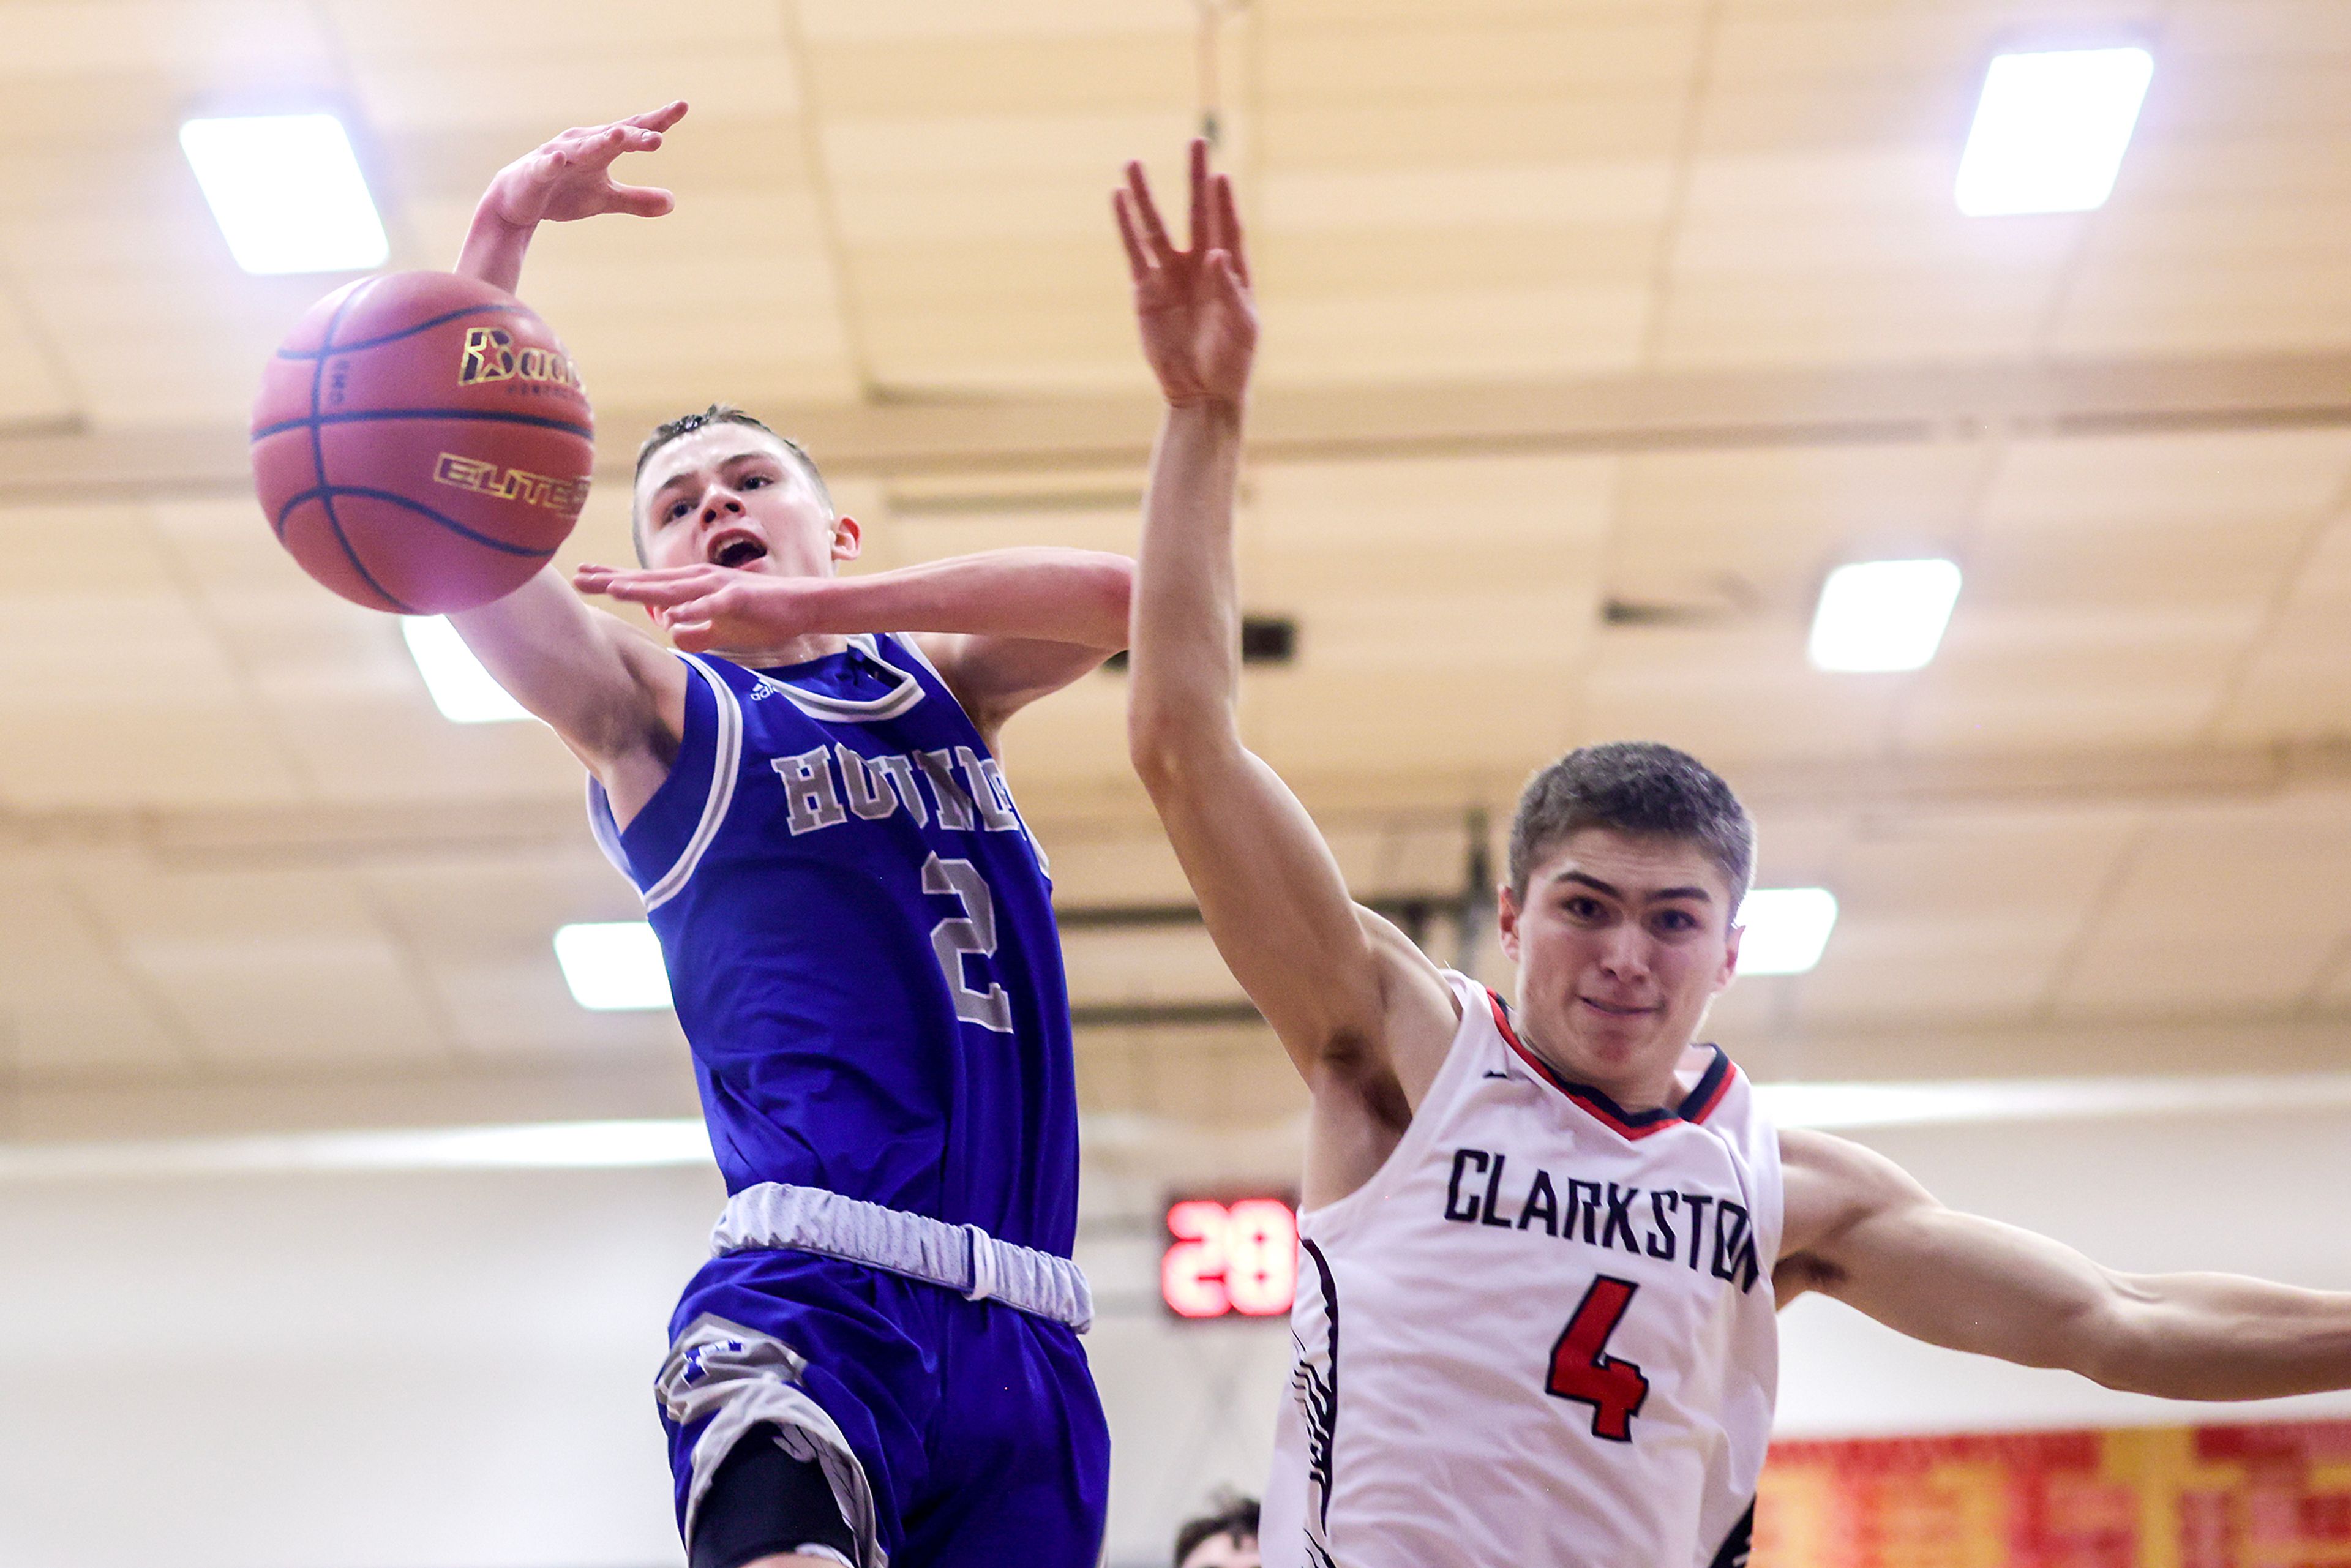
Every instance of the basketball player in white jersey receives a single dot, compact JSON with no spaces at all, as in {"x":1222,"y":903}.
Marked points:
{"x":1542,"y":1244}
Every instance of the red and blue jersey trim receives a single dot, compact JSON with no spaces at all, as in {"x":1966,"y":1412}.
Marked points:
{"x":1694,"y":1107}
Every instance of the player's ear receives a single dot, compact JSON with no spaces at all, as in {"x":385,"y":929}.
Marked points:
{"x":1729,"y":959}
{"x":1506,"y":920}
{"x":848,"y":538}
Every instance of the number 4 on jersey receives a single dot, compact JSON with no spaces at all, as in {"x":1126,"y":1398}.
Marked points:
{"x":1582,"y":1370}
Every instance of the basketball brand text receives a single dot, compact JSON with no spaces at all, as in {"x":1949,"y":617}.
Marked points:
{"x":564,"y":496}
{"x":491,"y":356}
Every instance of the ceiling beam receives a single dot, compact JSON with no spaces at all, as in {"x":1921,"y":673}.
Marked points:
{"x":1687,"y":411}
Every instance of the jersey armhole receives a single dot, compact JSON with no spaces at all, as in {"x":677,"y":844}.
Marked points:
{"x":1419,"y":1130}
{"x":719,"y":717}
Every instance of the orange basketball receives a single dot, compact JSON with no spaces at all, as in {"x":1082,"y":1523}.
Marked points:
{"x":421,"y":443}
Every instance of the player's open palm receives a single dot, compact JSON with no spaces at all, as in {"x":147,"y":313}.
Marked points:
{"x":1197,"y":319}
{"x":571,"y":176}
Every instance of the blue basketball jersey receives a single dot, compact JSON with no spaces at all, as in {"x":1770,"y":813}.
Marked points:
{"x":860,"y":940}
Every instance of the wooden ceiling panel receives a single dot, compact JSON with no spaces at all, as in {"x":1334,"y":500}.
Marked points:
{"x":1308,"y":61}
{"x":1088,"y":149}
{"x":1422,"y":334}
{"x":2223,"y":908}
{"x":922,"y":20}
{"x":481,"y":930}
{"x":539,"y":94}
{"x":1143,"y":965}
{"x":70,"y":1007}
{"x":33,"y":389}
{"x":1843,"y":39}
{"x":520,"y":30}
{"x":284,"y":970}
{"x":1756,"y":531}
{"x":1962,"y":916}
{"x":2208,"y":480}
{"x":1617,"y":205}
{"x":226,"y":41}
{"x":1596,"y":129}
{"x":1791,"y":317}
{"x":2298,"y":683}
{"x":1022,"y":74}
{"x":1330,"y":732}
{"x":1741,"y":693}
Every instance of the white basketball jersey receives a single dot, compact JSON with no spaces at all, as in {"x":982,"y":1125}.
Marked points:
{"x":1542,"y":1333}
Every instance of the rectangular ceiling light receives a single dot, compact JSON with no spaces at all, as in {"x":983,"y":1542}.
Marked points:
{"x":614,"y":966}
{"x":1786,"y":929}
{"x":461,"y":688}
{"x":2050,"y":131}
{"x":288,"y":192}
{"x":1884,"y":614}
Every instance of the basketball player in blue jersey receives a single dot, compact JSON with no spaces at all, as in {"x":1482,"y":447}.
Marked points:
{"x":879,"y":1362}
{"x":1509,"y":1387}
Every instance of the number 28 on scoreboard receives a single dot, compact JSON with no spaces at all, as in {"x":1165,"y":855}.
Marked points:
{"x":1225,"y":1257}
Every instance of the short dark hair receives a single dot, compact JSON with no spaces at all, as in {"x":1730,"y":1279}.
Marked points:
{"x":1634,"y":786}
{"x":1235,"y":1516}
{"x":685,"y":424}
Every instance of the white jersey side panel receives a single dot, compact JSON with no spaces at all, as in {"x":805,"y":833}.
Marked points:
{"x":1543,"y":1331}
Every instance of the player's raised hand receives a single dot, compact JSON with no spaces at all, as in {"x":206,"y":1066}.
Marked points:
{"x":571,"y":176}
{"x":1193,"y":307}
{"x":702,"y":607}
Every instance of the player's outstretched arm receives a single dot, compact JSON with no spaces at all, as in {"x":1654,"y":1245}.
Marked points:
{"x":610,"y":691}
{"x":1003,"y":627}
{"x":1362,"y":1014}
{"x":1862,"y":1230}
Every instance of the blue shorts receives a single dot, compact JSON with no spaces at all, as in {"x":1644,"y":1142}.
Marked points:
{"x":953,"y":1432}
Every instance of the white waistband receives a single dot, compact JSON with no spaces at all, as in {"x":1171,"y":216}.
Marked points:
{"x":960,"y":1257}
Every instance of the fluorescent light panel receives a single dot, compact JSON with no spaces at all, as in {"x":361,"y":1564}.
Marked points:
{"x":614,"y":966}
{"x":1884,"y":614}
{"x":2051,"y":130}
{"x":461,"y":688}
{"x":1787,"y":928}
{"x":287,"y":192}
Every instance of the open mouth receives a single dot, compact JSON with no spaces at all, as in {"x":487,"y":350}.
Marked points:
{"x":738,"y":551}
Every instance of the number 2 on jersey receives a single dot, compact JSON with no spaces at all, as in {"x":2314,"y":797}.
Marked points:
{"x":971,"y":934}
{"x":1583,"y":1370}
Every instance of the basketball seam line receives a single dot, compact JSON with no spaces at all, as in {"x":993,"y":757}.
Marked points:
{"x":332,"y":347}
{"x":324,"y":491}
{"x":362,"y":416}
{"x":319,"y":452}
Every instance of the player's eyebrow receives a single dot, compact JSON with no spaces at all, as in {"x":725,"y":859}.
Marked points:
{"x":1660,"y":896}
{"x":684,"y":475}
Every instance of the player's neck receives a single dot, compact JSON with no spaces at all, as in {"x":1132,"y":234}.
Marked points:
{"x":1633,"y":1086}
{"x":798,"y":650}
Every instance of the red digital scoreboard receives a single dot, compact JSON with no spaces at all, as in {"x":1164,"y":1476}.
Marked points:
{"x":1225,"y":1257}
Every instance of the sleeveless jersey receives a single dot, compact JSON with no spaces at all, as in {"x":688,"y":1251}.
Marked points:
{"x":1542,"y":1332}
{"x":859,"y":934}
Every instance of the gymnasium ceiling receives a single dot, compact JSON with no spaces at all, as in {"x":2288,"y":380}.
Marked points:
{"x":1597,"y":334}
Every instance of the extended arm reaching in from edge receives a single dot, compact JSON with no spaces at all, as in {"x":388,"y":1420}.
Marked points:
{"x":1338,"y":985}
{"x":610,"y":692}
{"x":1862,"y":1230}
{"x":1005,"y":627}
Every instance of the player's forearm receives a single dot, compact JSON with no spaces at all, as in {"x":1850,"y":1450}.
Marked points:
{"x":1185,"y":642}
{"x":494,"y":248}
{"x":1040,"y":593}
{"x":2221,"y":1336}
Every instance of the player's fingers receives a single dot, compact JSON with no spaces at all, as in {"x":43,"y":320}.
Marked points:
{"x":1201,"y":235}
{"x":1147,"y":213}
{"x":659,"y":119}
{"x":1228,"y":228}
{"x":1226,"y":279}
{"x":643,"y":201}
{"x":1138,"y":260}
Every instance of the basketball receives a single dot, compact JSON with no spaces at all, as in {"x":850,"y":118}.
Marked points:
{"x":421,"y":443}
